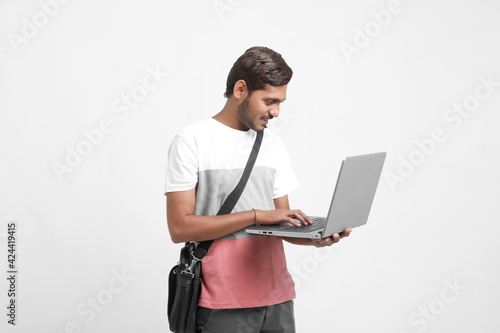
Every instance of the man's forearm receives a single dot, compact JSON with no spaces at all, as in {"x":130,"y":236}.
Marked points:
{"x":184,"y":226}
{"x":200,"y":228}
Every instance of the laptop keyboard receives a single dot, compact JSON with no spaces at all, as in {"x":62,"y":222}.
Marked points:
{"x":318,"y":224}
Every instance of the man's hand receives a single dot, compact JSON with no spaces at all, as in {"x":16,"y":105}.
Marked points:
{"x":335,"y":238}
{"x":282,"y":204}
{"x":282,"y":215}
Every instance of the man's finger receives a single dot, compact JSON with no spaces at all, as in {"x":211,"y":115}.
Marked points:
{"x":327,"y":241}
{"x":345,"y":233}
{"x":293,"y":221}
{"x":306,"y":217}
{"x":302,"y":217}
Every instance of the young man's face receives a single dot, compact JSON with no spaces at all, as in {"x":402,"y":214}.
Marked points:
{"x":262,"y":105}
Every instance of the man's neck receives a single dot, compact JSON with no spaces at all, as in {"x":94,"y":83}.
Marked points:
{"x":229,"y":116}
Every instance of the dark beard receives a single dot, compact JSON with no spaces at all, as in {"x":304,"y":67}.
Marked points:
{"x":243,"y":114}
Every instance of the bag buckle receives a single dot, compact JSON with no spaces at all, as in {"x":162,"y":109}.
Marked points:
{"x":185,"y":272}
{"x":189,"y":270}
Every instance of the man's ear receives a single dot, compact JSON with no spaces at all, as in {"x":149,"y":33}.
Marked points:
{"x":240,"y":89}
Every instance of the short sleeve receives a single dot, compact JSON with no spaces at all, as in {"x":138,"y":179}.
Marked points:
{"x":285,"y":180}
{"x":182,"y":166}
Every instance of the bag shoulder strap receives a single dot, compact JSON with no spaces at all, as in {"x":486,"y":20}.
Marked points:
{"x":203,"y":247}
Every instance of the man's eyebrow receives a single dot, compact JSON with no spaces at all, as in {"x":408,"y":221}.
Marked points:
{"x":274,"y":99}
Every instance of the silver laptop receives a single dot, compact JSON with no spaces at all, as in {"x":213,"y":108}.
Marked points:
{"x":351,"y":202}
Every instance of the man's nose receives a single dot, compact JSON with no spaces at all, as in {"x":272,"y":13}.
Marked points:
{"x":275,"y":110}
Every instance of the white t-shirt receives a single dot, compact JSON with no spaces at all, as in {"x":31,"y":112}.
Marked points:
{"x":212,"y":156}
{"x":241,"y":270}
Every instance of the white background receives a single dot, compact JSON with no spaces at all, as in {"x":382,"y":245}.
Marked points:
{"x":435,"y":224}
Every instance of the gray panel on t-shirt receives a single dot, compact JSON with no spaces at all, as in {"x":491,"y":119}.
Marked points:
{"x":215,"y":185}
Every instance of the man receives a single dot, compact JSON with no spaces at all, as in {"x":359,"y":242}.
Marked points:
{"x":246,"y":286}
